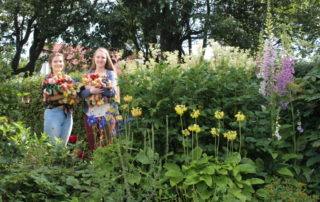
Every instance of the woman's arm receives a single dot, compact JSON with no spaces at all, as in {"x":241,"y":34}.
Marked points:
{"x":86,"y":91}
{"x":111,"y":92}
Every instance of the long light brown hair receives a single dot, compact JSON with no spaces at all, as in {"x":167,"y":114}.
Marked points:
{"x":109,"y":64}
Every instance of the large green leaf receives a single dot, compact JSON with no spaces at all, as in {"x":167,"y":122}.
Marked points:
{"x":285,"y":171}
{"x":233,"y":158}
{"x":313,"y":160}
{"x":255,"y":181}
{"x":244,"y":168}
{"x":207,"y":179}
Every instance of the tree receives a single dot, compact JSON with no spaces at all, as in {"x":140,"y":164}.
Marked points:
{"x":45,"y":20}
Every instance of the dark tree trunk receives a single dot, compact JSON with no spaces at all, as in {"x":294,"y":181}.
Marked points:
{"x":34,"y":52}
{"x":206,"y":27}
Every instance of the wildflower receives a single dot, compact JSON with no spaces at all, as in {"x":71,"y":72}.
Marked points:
{"x":195,"y":114}
{"x":128,"y":98}
{"x":103,"y":122}
{"x":136,"y":111}
{"x":73,"y":139}
{"x":91,"y":120}
{"x":185,"y":132}
{"x":230,"y":135}
{"x":195,"y":128}
{"x":180,"y":109}
{"x":215,"y":131}
{"x":119,"y":118}
{"x":240,"y":116}
{"x":219,"y":114}
{"x":300,"y":129}
{"x":125,"y":106}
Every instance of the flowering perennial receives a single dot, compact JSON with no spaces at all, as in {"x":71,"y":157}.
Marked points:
{"x":219,"y":114}
{"x":215,"y":131}
{"x":180,"y":109}
{"x":240,"y":117}
{"x":136,"y":111}
{"x":230,"y":135}
{"x":128,"y":98}
{"x":195,"y":128}
{"x":195,"y":114}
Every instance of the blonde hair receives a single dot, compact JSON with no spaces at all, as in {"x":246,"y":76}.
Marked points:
{"x":109,"y":64}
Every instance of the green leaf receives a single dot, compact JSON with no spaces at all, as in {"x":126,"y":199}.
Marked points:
{"x":174,"y":173}
{"x":285,"y":171}
{"x":142,"y":158}
{"x":134,"y":178}
{"x":209,"y":170}
{"x":313,"y":160}
{"x":244,"y":168}
{"x":207,"y":179}
{"x":256,"y":181}
{"x":72,"y":181}
{"x":289,"y":156}
{"x":233,"y":158}
{"x":237,"y":193}
{"x":192,"y":179}
{"x":196,"y":153}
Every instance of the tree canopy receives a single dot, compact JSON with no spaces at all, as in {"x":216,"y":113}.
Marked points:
{"x":126,"y":24}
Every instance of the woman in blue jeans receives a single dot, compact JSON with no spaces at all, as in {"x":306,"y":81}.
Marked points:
{"x":58,"y":119}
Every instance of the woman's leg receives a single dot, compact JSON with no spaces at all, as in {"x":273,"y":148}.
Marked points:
{"x":66,"y":128}
{"x":53,"y":119}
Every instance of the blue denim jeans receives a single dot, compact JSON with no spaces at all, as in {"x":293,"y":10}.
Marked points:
{"x":57,"y":124}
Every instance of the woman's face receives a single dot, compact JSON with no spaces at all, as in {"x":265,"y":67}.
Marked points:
{"x":100,"y":59}
{"x":57,"y":64}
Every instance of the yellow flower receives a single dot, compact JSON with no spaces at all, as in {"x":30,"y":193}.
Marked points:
{"x":215,"y":131}
{"x":65,"y":94}
{"x":125,"y":106}
{"x":219,"y":114}
{"x":185,"y":132}
{"x":240,"y":116}
{"x":230,"y":135}
{"x":180,"y":109}
{"x":109,"y":117}
{"x":195,"y":128}
{"x":128,"y":98}
{"x":195,"y":114}
{"x":136,"y":111}
{"x":119,"y":118}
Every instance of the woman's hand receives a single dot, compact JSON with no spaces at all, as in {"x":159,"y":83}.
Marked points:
{"x":93,"y":90}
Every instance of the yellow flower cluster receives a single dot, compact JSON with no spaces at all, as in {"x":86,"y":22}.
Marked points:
{"x":219,"y":114}
{"x":215,"y":131}
{"x":195,"y":128}
{"x":125,"y":106}
{"x":195,"y":114}
{"x":185,"y":132}
{"x":240,"y":117}
{"x":136,"y":111}
{"x":180,"y":109}
{"x":128,"y":98}
{"x":230,"y":135}
{"x":119,"y":118}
